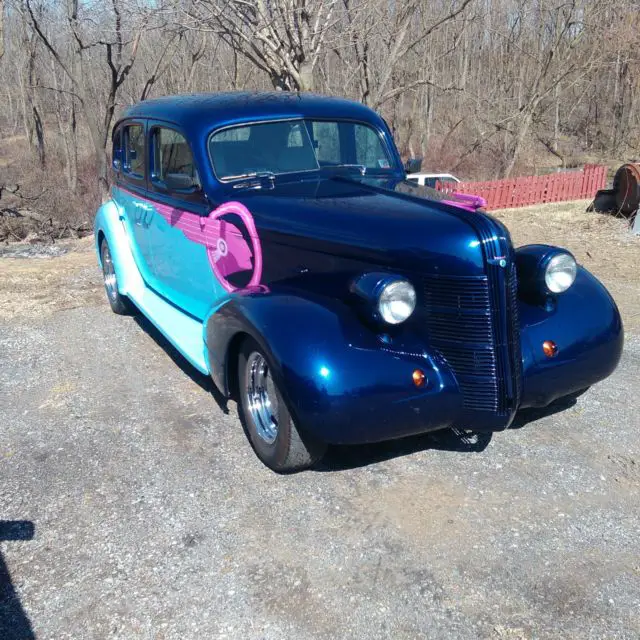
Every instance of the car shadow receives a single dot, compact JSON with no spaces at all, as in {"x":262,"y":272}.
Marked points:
{"x":14,"y":622}
{"x":527,"y":416}
{"x":342,"y":457}
{"x":203,"y":381}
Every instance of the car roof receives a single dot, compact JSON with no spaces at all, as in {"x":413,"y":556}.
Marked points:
{"x":203,"y":112}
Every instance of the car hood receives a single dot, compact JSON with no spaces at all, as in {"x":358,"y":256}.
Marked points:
{"x":376,"y":221}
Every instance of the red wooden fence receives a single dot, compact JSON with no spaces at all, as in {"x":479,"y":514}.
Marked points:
{"x":521,"y":192}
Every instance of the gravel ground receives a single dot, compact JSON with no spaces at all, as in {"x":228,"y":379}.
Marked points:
{"x":153,"y":518}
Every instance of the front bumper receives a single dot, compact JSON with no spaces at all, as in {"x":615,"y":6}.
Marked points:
{"x":371,"y":397}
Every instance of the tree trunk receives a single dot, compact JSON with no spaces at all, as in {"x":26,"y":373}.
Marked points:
{"x":39,"y":132}
{"x":513,"y":149}
{"x":68,"y":134}
{"x":556,"y":119}
{"x":1,"y":28}
{"x":306,"y":77}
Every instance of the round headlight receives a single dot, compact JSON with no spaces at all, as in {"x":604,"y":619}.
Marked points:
{"x":560,"y":273}
{"x":397,"y":301}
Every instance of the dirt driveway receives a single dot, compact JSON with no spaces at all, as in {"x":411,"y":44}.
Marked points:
{"x":134,"y":508}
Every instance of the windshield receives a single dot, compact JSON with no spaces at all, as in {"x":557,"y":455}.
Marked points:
{"x":289,"y":146}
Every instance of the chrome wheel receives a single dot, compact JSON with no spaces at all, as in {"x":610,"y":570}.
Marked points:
{"x":109,"y":273}
{"x":261,"y":397}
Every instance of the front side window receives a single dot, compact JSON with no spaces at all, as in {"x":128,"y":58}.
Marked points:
{"x":296,"y":145}
{"x":172,"y":157}
{"x":134,"y":164}
{"x":369,"y":149}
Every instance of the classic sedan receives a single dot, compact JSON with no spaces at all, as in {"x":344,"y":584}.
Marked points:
{"x":274,"y":240}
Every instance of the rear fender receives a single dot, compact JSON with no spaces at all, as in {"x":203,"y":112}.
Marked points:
{"x":108,"y":225}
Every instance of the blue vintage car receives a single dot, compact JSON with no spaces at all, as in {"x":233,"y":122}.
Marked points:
{"x":274,"y":240}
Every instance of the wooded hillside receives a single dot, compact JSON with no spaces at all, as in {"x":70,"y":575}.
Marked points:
{"x":483,"y":88}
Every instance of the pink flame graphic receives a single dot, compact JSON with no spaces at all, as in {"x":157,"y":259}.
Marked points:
{"x":227,"y":248}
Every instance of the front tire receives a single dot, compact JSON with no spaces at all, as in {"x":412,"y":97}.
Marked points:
{"x":119,"y":304}
{"x":265,"y":416}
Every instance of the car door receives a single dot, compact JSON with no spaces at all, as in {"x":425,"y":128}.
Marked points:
{"x":130,"y":191}
{"x":178,"y":232}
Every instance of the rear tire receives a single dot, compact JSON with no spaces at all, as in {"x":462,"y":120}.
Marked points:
{"x":119,"y":304}
{"x":266,"y":419}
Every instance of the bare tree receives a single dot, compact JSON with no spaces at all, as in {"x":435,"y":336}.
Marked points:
{"x":553,"y":56}
{"x":28,"y":80}
{"x":481,"y":87}
{"x":1,"y":28}
{"x":283,"y":38}
{"x":117,"y":52}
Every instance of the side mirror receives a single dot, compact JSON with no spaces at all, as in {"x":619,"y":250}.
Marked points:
{"x":180,"y":182}
{"x":413,"y":165}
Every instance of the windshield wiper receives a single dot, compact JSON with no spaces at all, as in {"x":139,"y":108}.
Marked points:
{"x":252,"y":174}
{"x":360,"y":167}
{"x":252,"y":179}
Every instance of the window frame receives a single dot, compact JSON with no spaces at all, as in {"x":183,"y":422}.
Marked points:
{"x":116,"y":157}
{"x":127,"y":176}
{"x":393,"y":166}
{"x":195,"y":195}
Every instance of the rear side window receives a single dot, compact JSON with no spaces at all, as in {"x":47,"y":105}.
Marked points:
{"x":133,"y":139}
{"x":172,"y":155}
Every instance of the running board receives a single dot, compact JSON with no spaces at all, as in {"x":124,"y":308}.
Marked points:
{"x":181,"y":330}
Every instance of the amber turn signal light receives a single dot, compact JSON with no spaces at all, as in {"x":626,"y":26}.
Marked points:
{"x":550,"y":348}
{"x":419,"y":378}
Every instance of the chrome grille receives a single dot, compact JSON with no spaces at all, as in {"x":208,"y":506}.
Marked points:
{"x":449,"y":292}
{"x":458,"y":316}
{"x":514,"y":334}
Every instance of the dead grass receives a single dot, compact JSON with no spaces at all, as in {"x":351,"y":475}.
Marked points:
{"x":37,"y":287}
{"x":601,"y":243}
{"x":25,"y":185}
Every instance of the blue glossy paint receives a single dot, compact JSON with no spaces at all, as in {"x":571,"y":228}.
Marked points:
{"x":585,"y":324}
{"x":345,"y":379}
{"x":361,"y":223}
{"x":344,"y":382}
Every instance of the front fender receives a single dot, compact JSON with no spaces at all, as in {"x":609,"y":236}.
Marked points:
{"x":585,"y":324}
{"x":342,"y":381}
